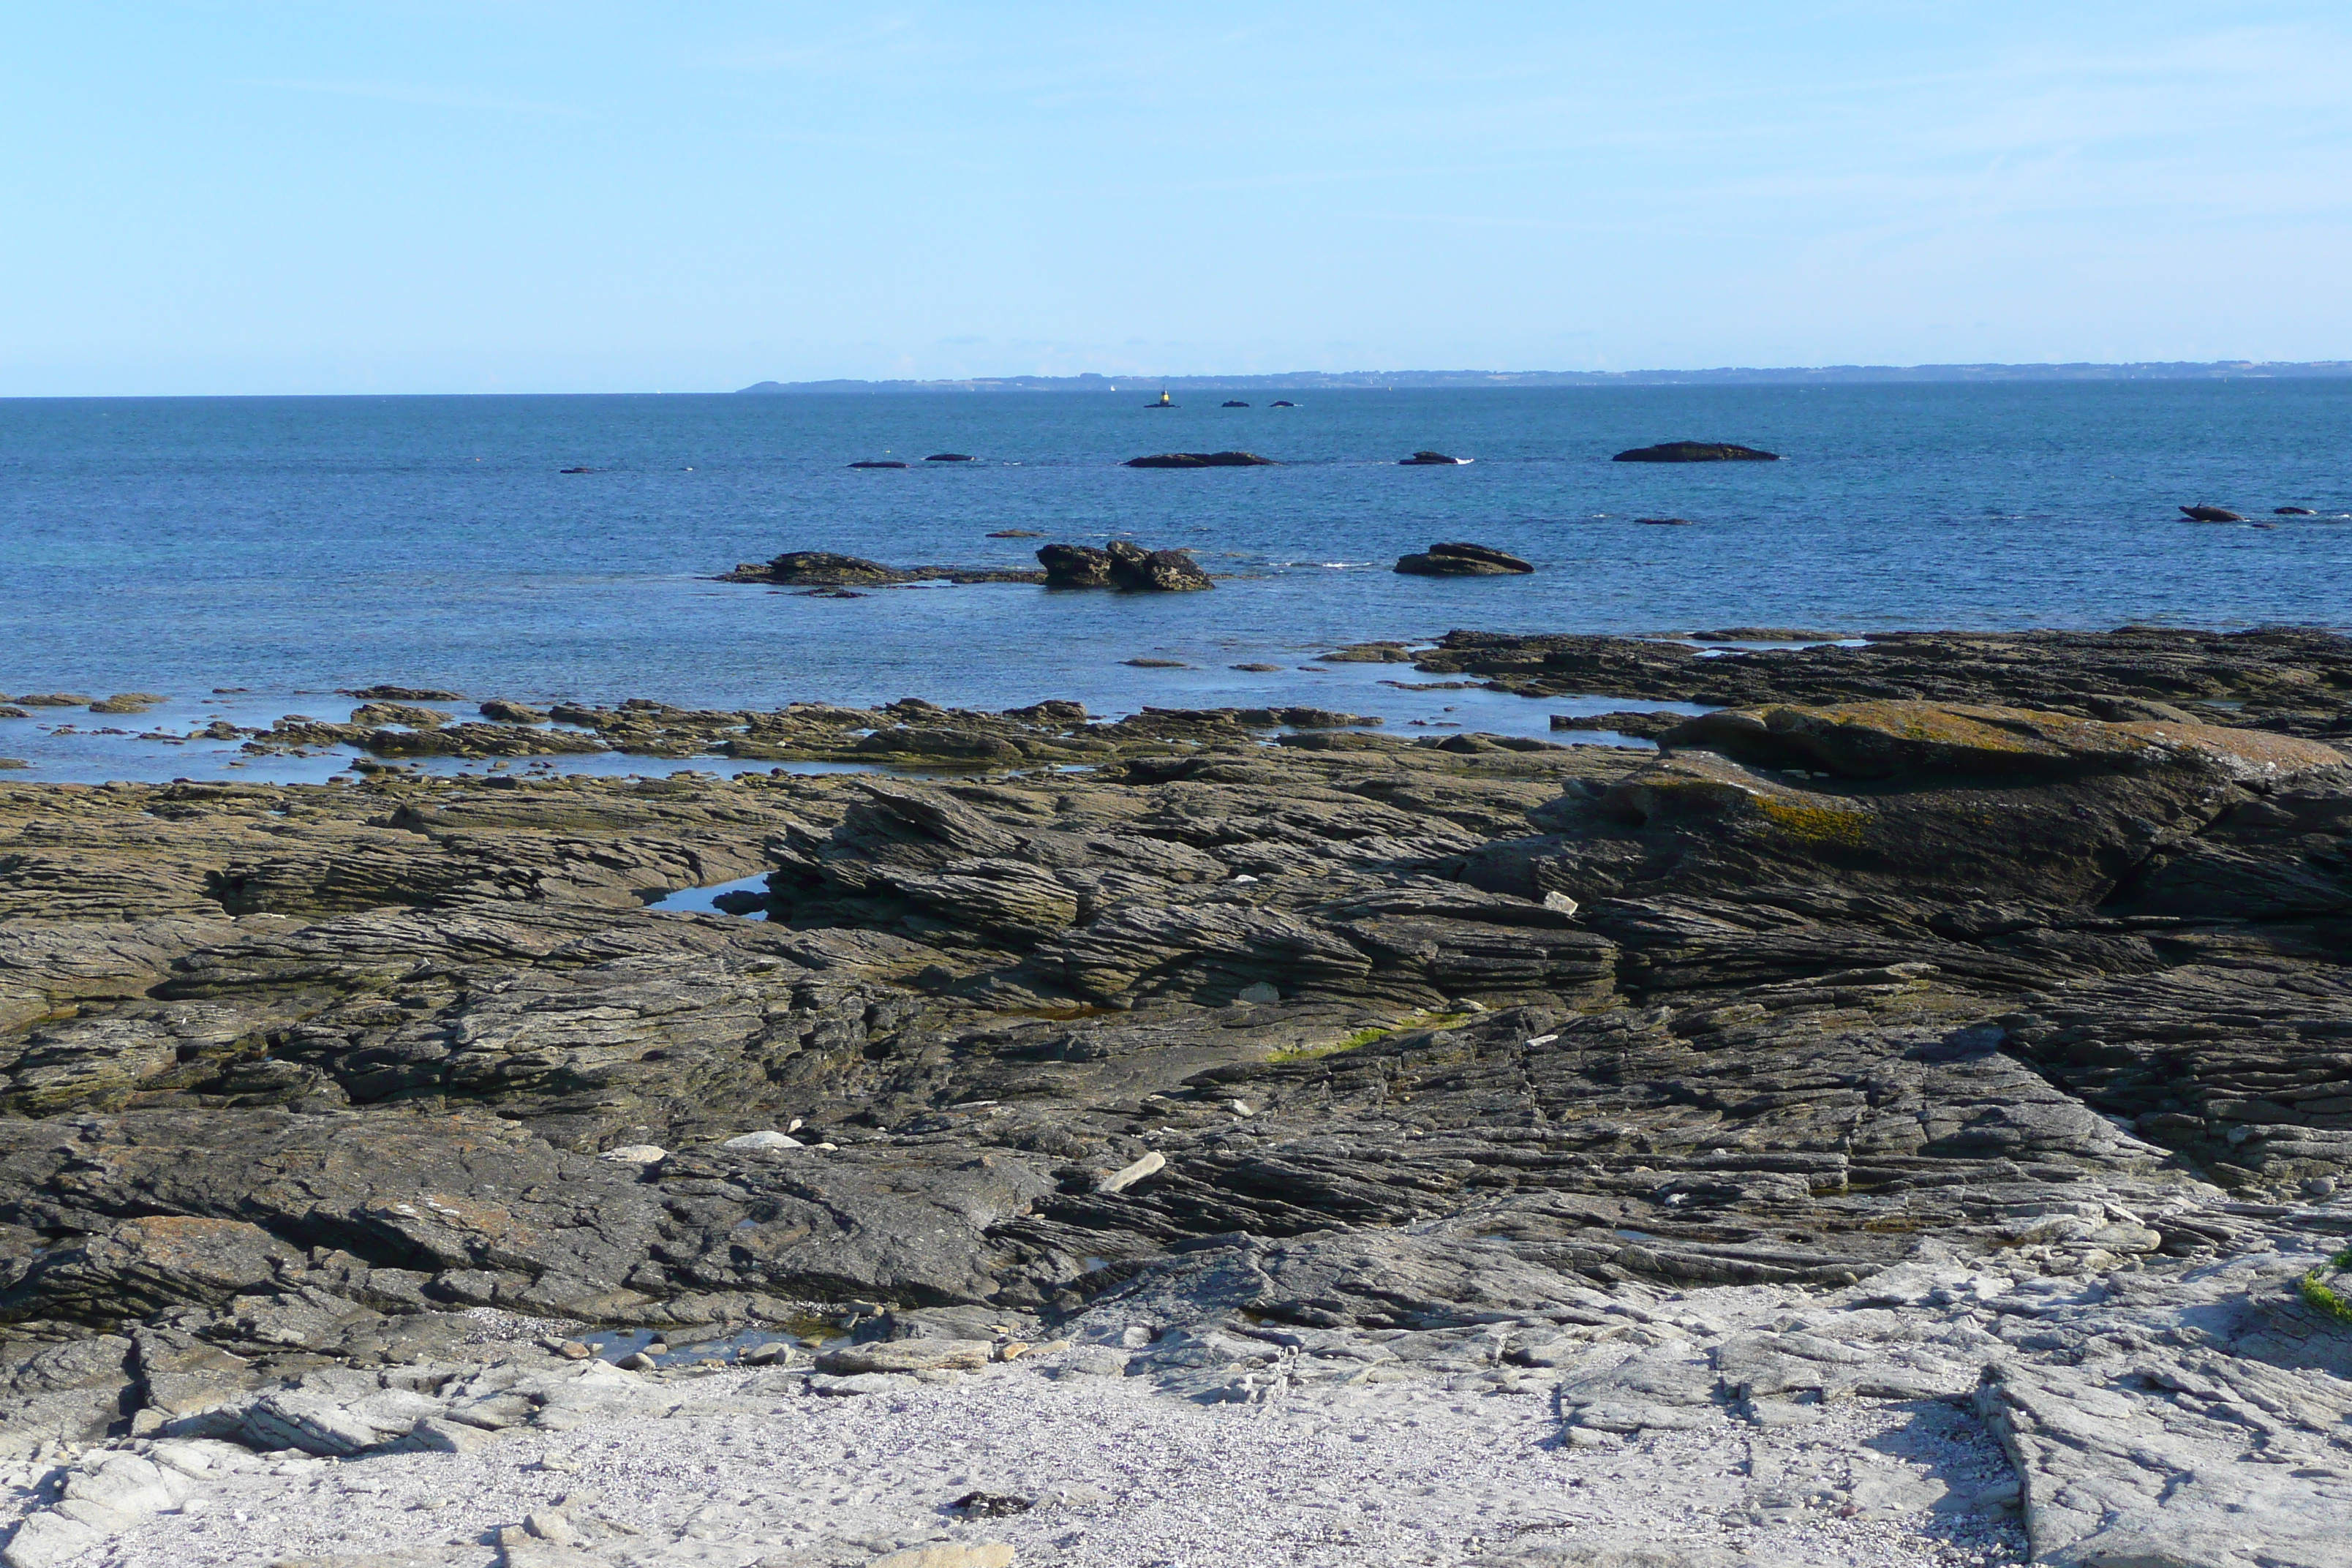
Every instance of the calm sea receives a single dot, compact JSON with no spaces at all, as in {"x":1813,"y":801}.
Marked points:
{"x":294,"y":546}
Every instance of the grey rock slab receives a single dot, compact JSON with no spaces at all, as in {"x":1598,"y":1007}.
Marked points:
{"x":907,"y":1355}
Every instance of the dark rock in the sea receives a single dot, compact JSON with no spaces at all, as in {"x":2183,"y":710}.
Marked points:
{"x":2292,"y":511}
{"x":1429,"y":461}
{"x":1257,"y":668}
{"x":2210,"y":514}
{"x":1761,"y":634}
{"x":1016,"y":534}
{"x":880,"y":463}
{"x":823,"y":568}
{"x":579,"y":470}
{"x":1234,"y":403}
{"x":949,"y":457}
{"x":507,"y":712}
{"x":54,"y":699}
{"x":1201,"y":461}
{"x":1138,"y":569}
{"x":1696,"y":452}
{"x":829,"y":593}
{"x":1282,"y":403}
{"x":1462,"y":560}
{"x":1123,"y":565}
{"x":1074,"y":566}
{"x":1156,"y":663}
{"x":396,"y":694}
{"x":1665,"y":522}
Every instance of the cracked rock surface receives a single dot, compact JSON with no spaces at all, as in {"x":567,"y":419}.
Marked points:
{"x":1971,"y":964}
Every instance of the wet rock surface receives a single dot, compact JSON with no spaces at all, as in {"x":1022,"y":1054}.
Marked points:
{"x":1999,"y":1047}
{"x":1462,"y":560}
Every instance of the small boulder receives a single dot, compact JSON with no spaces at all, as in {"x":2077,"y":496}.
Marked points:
{"x":1461,"y":560}
{"x":1696,"y":452}
{"x":754,"y":1141}
{"x":507,"y":712}
{"x":1126,"y":1176}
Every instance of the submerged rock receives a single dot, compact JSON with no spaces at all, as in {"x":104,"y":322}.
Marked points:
{"x":1461,"y":560}
{"x":1429,"y":459}
{"x":1696,"y":452}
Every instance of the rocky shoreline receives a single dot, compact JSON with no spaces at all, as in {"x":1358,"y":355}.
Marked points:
{"x":1952,"y":1029}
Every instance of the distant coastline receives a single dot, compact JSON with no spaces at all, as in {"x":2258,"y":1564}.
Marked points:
{"x":1826,"y":376}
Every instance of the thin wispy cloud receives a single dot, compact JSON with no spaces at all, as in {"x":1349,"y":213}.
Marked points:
{"x":422,"y":95}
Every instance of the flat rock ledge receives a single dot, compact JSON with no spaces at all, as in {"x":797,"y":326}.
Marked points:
{"x":824,"y":569}
{"x":1201,"y":461}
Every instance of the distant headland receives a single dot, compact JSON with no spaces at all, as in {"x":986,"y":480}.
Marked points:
{"x":1828,"y":375}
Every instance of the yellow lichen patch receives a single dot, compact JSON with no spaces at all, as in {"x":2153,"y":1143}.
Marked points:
{"x":1814,"y":824}
{"x":1363,"y":1038}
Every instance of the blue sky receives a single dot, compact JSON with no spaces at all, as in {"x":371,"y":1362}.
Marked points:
{"x":529,"y":195}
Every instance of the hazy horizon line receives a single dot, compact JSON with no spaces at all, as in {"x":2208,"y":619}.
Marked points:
{"x":1303,"y":380}
{"x":1379,"y":380}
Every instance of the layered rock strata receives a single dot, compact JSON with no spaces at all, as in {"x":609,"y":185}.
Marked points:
{"x":1342,"y":1035}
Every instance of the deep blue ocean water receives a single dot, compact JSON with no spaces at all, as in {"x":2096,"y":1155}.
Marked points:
{"x":291,"y":546}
